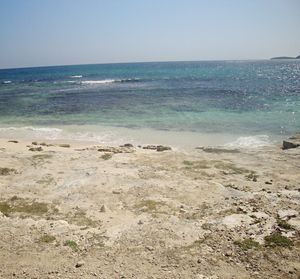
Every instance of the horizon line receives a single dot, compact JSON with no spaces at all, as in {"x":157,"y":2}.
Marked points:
{"x":135,"y":62}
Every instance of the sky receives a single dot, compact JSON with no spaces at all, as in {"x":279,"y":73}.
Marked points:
{"x":64,"y":32}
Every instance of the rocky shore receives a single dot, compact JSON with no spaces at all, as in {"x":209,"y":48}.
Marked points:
{"x":72,"y":210}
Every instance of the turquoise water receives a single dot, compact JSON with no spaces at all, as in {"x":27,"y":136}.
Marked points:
{"x":236,"y":98}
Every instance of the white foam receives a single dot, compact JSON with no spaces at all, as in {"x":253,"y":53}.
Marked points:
{"x":103,"y":81}
{"x":250,"y":142}
{"x":43,"y":129}
{"x":7,"y":82}
{"x":76,"y":76}
{"x":31,"y":132}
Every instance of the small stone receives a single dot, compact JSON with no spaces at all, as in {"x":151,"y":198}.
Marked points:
{"x":34,"y":143}
{"x":161,"y":148}
{"x":151,"y":147}
{"x":36,"y":148}
{"x":64,"y":145}
{"x":149,"y":248}
{"x":116,"y":192}
{"x":103,"y":208}
{"x":79,"y":264}
{"x":140,"y":222}
{"x":13,"y":141}
{"x":228,"y":253}
{"x":127,"y":145}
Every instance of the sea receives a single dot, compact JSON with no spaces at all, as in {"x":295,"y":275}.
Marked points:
{"x":218,"y":103}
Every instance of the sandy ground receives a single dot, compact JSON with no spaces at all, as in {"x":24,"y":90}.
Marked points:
{"x":129,"y":212}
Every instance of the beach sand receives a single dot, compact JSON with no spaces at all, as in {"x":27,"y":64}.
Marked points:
{"x":85,"y":211}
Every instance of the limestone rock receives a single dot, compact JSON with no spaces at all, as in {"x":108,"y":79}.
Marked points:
{"x":64,"y":145}
{"x":79,"y":264}
{"x":295,"y":223}
{"x":36,"y":148}
{"x":127,"y":145}
{"x":291,"y":142}
{"x":158,"y":148}
{"x":116,"y":192}
{"x":161,"y":148}
{"x":287,"y":214}
{"x":103,"y":208}
{"x":236,"y":220}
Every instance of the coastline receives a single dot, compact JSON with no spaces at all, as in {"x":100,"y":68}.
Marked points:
{"x":115,"y":136}
{"x":88,"y":210}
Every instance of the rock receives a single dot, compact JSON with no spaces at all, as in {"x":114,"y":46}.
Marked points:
{"x":127,"y":145}
{"x":158,"y":148}
{"x":34,"y":143}
{"x":115,"y":150}
{"x":291,"y":142}
{"x":228,"y":253}
{"x":287,"y":214}
{"x":236,"y":220}
{"x":13,"y":141}
{"x":149,"y":248}
{"x":103,"y":208}
{"x":79,"y":264}
{"x":36,"y":148}
{"x":7,"y":171}
{"x":116,"y":192}
{"x":295,"y":223}
{"x":151,"y":147}
{"x":64,"y":145}
{"x":161,"y":148}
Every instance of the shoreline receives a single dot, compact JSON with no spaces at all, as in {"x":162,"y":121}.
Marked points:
{"x":94,"y":211}
{"x":114,"y":136}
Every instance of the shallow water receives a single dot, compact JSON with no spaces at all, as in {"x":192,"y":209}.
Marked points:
{"x":181,"y":103}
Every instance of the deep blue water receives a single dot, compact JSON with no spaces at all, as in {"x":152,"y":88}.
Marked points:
{"x":242,"y":97}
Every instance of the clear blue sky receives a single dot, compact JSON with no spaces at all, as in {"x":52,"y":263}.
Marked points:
{"x":60,"y":32}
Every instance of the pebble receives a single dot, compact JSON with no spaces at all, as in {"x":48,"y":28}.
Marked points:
{"x":64,"y":145}
{"x":36,"y":148}
{"x":79,"y":264}
{"x":103,"y":208}
{"x":228,"y":253}
{"x":149,"y":248}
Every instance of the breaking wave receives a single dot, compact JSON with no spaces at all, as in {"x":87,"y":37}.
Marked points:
{"x":250,"y":142}
{"x":31,"y":132}
{"x":104,"y":81}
